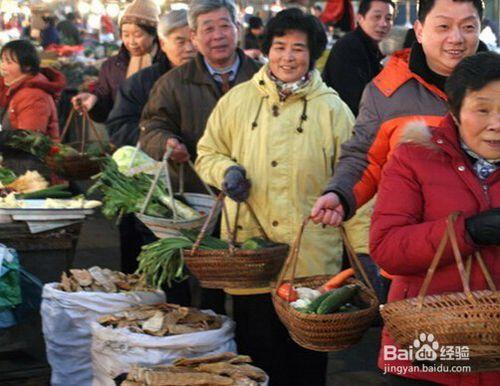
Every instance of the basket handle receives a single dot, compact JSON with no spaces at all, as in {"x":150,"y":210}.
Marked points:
{"x":218,"y":201}
{"x":292,"y":259}
{"x":154,"y":183}
{"x":85,"y":118}
{"x":234,"y":233}
{"x":451,"y":236}
{"x":182,"y":174}
{"x":354,"y":259}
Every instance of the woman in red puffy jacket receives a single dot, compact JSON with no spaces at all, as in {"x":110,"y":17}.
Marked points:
{"x":434,"y":172}
{"x":28,"y":97}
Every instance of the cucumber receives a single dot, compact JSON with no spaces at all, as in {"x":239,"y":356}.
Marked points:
{"x":56,"y":191}
{"x":337,"y":298}
{"x":311,"y":308}
{"x":347,"y":308}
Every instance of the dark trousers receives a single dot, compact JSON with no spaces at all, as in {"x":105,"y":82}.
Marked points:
{"x":260,"y":334}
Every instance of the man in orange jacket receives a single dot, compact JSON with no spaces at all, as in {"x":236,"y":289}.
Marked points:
{"x":409,"y":88}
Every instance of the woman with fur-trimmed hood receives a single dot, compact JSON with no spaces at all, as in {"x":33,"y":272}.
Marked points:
{"x":437,"y":171}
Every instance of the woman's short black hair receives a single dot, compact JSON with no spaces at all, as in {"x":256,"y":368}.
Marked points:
{"x":24,"y":53}
{"x":471,"y":74}
{"x":294,"y":19}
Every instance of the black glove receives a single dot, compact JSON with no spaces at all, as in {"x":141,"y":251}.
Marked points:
{"x":235,"y":184}
{"x":484,"y":228}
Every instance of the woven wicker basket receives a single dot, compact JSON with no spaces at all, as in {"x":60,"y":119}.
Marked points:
{"x":331,"y":332}
{"x":165,"y":227}
{"x":202,"y":203}
{"x":233,"y":267}
{"x":77,"y":167}
{"x":469,"y":318}
{"x":81,"y":166}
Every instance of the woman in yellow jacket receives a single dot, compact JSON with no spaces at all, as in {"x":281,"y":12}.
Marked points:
{"x":273,"y":141}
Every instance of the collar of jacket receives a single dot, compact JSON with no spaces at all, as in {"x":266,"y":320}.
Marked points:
{"x":371,"y":45}
{"x":316,"y":87}
{"x":198,"y":73}
{"x":48,"y":79}
{"x":444,"y":137}
{"x":418,"y":65}
{"x":123,"y":56}
{"x":397,"y":72}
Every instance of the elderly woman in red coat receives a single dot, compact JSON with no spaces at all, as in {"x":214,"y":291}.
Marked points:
{"x":434,"y":172}
{"x":28,"y":97}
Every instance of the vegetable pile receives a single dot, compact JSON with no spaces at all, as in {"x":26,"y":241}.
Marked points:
{"x":42,"y":146}
{"x":331,"y":297}
{"x":30,"y":185}
{"x":126,"y":194}
{"x":161,"y":262}
{"x":219,"y":369}
{"x":162,"y":320}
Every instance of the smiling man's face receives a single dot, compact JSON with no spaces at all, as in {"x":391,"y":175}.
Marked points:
{"x":449,"y":33}
{"x":216,"y":37}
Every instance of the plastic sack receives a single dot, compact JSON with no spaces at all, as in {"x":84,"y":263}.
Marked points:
{"x":114,"y":351}
{"x":10,"y":289}
{"x":66,"y":320}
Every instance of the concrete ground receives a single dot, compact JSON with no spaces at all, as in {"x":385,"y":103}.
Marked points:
{"x":98,"y":245}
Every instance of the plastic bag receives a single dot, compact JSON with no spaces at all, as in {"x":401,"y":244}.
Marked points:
{"x":114,"y":351}
{"x":10,"y":289}
{"x":66,"y":319}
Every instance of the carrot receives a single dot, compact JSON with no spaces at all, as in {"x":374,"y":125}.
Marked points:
{"x":337,"y":280}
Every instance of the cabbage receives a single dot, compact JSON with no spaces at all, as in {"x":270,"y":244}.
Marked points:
{"x":142,"y":162}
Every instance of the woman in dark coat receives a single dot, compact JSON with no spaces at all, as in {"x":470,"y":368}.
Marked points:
{"x":139,"y":50}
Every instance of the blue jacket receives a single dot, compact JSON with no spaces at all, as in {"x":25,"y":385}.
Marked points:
{"x":49,"y":36}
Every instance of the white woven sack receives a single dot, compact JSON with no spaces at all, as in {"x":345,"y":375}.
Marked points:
{"x":66,"y":319}
{"x":115,"y":350}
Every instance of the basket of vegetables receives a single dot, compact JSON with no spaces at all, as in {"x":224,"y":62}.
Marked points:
{"x":323,"y":313}
{"x":253,"y":263}
{"x":189,"y":210}
{"x":77,"y":160}
{"x":468,"y":318}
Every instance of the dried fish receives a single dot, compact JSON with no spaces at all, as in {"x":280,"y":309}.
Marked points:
{"x":212,"y":370}
{"x":65,"y":283}
{"x":82,"y":276}
{"x":154,"y":324}
{"x":96,"y":279}
{"x":225,"y":356}
{"x":101,"y":278}
{"x":240,"y":371}
{"x":162,"y":320}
